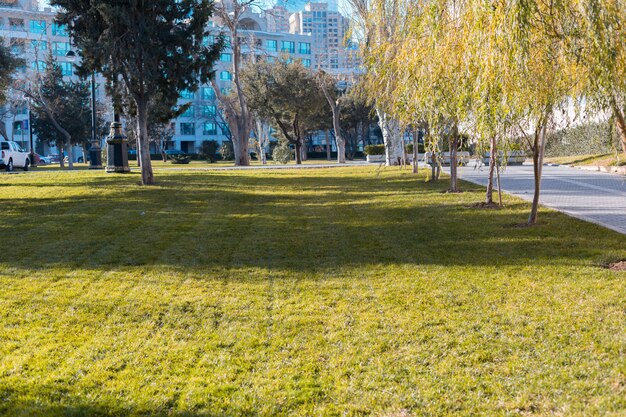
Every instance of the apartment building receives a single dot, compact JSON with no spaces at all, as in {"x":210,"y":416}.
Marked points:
{"x":328,"y":30}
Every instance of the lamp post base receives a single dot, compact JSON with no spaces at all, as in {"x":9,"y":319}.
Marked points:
{"x":117,"y":151}
{"x":95,"y":158}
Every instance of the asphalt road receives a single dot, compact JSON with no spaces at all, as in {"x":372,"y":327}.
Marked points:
{"x":592,"y":196}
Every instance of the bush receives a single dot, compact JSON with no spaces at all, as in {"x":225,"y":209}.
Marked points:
{"x":208,"y":150}
{"x":282,"y":153}
{"x":591,"y":138}
{"x":375,"y":150}
{"x":420,"y":148}
{"x":227,"y":151}
{"x":180,"y":159}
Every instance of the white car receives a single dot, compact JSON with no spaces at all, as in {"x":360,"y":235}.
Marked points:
{"x":13,"y":156}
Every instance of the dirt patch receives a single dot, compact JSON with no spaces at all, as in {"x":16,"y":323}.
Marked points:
{"x":617,"y":266}
{"x":483,"y":205}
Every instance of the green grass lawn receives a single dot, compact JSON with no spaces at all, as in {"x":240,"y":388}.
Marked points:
{"x":583,"y":160}
{"x":308,"y":292}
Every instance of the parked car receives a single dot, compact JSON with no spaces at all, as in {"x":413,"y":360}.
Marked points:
{"x":13,"y":156}
{"x":42,"y":160}
{"x":174,"y":152}
{"x":54,"y":158}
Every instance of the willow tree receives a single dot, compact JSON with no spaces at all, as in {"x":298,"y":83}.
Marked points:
{"x":546,"y":76}
{"x":380,"y":23}
{"x":599,"y":46}
{"x":154,"y":47}
{"x":425,"y":72}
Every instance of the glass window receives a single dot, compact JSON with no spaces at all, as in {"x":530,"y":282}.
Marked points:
{"x":271,"y":45}
{"x":60,"y":48}
{"x":67,"y":69}
{"x":208,"y":40}
{"x":209,"y":129}
{"x":288,"y":46}
{"x":39,"y":45}
{"x":39,"y":66}
{"x":225,"y":57}
{"x":38,"y":26}
{"x":304,"y":48}
{"x":207,"y":93}
{"x":189,"y":112}
{"x":306,"y":63}
{"x":225,"y":75}
{"x":187,"y":129}
{"x":208,"y":111}
{"x":59,"y":30}
{"x":187,"y":95}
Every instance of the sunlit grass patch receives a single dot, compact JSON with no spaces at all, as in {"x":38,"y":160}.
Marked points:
{"x":310,"y":292}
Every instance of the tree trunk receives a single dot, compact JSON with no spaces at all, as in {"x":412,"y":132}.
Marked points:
{"x":147,"y":176}
{"x":68,"y":149}
{"x":538,"y":150}
{"x":391,"y":138}
{"x":433,"y":166}
{"x":415,"y":153}
{"x":298,"y":152}
{"x":240,"y":146}
{"x":341,"y":142}
{"x":492,"y":165}
{"x":620,"y":121}
{"x":328,"y":150}
{"x":454,"y":144}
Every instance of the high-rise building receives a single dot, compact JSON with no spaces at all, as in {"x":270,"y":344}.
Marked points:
{"x":299,"y":5}
{"x":327,"y":29}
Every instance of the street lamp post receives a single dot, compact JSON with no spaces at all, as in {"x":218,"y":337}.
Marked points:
{"x":95,"y":151}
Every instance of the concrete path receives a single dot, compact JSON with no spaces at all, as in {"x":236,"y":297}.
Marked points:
{"x":592,"y":196}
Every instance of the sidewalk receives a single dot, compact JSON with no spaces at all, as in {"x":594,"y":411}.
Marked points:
{"x":588,"y":195}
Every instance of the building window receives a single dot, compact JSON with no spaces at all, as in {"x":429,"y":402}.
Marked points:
{"x":188,"y":129}
{"x":67,"y":69}
{"x":38,"y":26}
{"x":39,"y":66}
{"x":271,"y":45}
{"x":225,"y":57}
{"x":189,"y":112}
{"x":208,"y":40}
{"x":17,"y":25}
{"x":225,"y":91}
{"x":207,"y":93}
{"x":208,"y":111}
{"x":39,"y":45}
{"x":59,"y":30}
{"x":60,"y":48}
{"x":304,"y":48}
{"x":187,"y":95}
{"x":288,"y":46}
{"x":209,"y":129}
{"x":306,"y":63}
{"x":225,"y":75}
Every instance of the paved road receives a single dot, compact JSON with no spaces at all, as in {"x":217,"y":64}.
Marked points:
{"x":593,"y":196}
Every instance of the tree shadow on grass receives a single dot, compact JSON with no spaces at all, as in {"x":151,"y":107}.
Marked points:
{"x":199,"y":222}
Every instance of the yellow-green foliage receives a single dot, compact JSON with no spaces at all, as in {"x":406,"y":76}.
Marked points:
{"x":308,"y":292}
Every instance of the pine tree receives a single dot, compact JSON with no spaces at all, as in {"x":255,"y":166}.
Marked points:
{"x":153,"y":47}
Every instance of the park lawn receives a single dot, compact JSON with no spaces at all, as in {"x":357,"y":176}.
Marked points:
{"x":586,"y":160}
{"x":348,"y":291}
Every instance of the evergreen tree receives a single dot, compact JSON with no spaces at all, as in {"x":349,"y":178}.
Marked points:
{"x":153,"y":47}
{"x":61,"y":111}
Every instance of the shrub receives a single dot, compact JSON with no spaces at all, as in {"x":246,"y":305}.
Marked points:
{"x":180,"y":159}
{"x":227,"y":151}
{"x":282,"y":153}
{"x":208,"y":150}
{"x":420,"y":148}
{"x":375,"y":150}
{"x":590,"y":138}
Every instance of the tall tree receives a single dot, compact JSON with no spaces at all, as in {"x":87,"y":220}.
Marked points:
{"x":293,"y":111}
{"x":380,"y":23}
{"x":154,"y":47}
{"x":235,"y":106}
{"x":9,"y":63}
{"x":328,"y":86}
{"x":61,"y":109}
